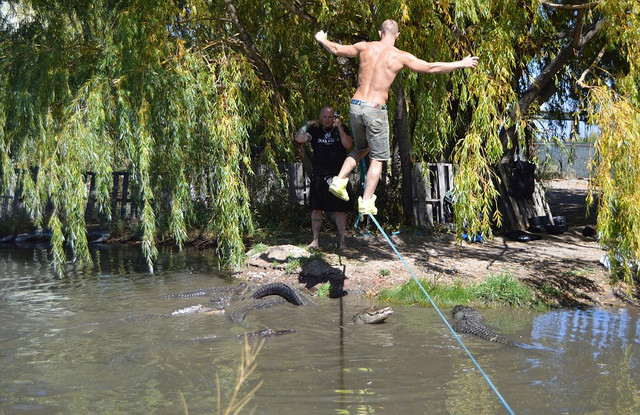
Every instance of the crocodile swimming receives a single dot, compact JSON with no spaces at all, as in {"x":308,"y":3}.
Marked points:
{"x":266,"y":296}
{"x":238,"y":300}
{"x":216,"y":293}
{"x":274,"y":294}
{"x":223,"y":296}
{"x":243,"y":297}
{"x":250,"y":297}
{"x":372,"y":315}
{"x":468,"y":320}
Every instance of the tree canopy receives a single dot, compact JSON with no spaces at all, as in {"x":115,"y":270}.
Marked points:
{"x":185,"y":93}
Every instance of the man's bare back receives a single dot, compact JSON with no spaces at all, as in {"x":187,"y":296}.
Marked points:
{"x":379,"y":65}
{"x":380,"y":62}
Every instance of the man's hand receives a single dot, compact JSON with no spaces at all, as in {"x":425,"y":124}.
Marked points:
{"x":470,"y":61}
{"x":321,"y":36}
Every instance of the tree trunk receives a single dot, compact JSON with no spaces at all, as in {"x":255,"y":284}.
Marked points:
{"x":405,"y":148}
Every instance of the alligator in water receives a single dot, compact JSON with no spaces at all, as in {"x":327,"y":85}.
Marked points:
{"x":265,"y":296}
{"x":221,"y":297}
{"x":239,"y":300}
{"x":274,"y":294}
{"x":248,"y":298}
{"x":469,"y":321}
{"x":372,"y":315}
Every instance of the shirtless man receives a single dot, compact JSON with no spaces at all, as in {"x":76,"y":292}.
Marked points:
{"x":380,"y":62}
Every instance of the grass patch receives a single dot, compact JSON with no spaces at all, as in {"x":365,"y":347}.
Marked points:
{"x":443,"y":295}
{"x":502,"y":289}
{"x":505,"y":289}
{"x":292,"y":265}
{"x":323,"y":289}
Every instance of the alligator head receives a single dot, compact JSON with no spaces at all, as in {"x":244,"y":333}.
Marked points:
{"x":373,"y":315}
{"x":196,"y":309}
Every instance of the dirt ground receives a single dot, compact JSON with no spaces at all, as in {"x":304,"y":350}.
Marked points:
{"x":568,"y":264}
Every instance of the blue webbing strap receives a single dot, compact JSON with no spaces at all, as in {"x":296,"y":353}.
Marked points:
{"x":363,"y":177}
{"x":493,"y":388}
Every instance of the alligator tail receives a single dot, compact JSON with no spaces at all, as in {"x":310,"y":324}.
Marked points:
{"x":279,"y":289}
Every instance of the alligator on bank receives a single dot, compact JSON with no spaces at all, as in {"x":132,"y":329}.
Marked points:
{"x":468,"y":320}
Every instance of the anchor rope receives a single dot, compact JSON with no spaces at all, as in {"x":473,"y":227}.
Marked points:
{"x":477,"y":365}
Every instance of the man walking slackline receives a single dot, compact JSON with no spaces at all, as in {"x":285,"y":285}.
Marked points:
{"x":380,"y":62}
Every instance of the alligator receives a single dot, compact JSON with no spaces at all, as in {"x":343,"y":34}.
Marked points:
{"x":372,"y":315}
{"x":194,"y":309}
{"x":266,"y":296}
{"x":469,"y":320}
{"x":237,"y":301}
{"x":216,"y":293}
{"x":198,"y":308}
{"x":265,"y":333}
{"x":221,"y":297}
{"x":274,"y":294}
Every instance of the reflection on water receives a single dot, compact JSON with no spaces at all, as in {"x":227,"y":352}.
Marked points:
{"x":66,"y":346}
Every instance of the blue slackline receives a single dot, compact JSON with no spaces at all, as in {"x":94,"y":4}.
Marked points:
{"x":363,"y":176}
{"x":493,"y":388}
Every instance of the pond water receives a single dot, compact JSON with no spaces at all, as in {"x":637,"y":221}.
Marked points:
{"x":67,"y":347}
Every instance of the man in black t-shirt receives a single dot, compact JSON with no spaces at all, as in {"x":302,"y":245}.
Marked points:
{"x":330,"y":142}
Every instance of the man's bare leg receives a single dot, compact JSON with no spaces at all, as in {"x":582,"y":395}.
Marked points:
{"x":341,"y":224}
{"x":316,"y":224}
{"x":351,"y":162}
{"x":373,"y":177}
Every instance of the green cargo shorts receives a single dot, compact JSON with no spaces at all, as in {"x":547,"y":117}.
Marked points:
{"x":370,"y":127}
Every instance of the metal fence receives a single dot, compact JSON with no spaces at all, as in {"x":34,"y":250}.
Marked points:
{"x":429,"y":190}
{"x":568,"y":160}
{"x":123,"y":202}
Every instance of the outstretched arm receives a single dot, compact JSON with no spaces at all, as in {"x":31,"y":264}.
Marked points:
{"x":349,"y":51}
{"x":420,"y":65}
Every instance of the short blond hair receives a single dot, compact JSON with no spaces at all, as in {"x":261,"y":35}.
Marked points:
{"x":389,"y":26}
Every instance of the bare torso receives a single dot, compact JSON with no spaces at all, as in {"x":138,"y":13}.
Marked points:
{"x":379,"y":64}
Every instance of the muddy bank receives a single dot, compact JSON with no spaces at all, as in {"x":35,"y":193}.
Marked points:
{"x":567,"y":264}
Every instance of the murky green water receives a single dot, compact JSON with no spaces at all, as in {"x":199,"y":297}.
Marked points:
{"x":64,"y":349}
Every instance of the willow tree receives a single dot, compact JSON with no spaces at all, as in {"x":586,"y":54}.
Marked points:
{"x":107,"y":85}
{"x":613,"y":102}
{"x":186,"y":92}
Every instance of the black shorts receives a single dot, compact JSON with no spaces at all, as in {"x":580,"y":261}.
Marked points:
{"x":322,"y":199}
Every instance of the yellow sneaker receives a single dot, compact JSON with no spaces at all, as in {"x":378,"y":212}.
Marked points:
{"x":368,"y":206}
{"x":338,"y":188}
